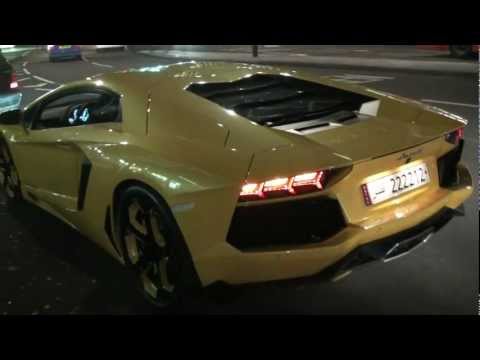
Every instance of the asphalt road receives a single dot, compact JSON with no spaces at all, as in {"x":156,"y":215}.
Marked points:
{"x":47,"y":268}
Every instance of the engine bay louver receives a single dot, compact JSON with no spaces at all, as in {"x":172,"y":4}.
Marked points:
{"x":280,"y":101}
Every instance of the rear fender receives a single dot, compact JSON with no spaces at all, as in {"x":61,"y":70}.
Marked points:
{"x":202,"y":201}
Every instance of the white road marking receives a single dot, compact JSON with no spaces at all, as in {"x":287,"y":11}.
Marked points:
{"x":97,"y":64}
{"x":43,"y":79}
{"x":360,"y":79}
{"x":43,"y":89}
{"x":341,"y":276}
{"x":25,"y":70}
{"x":449,"y":103}
{"x":20,"y":80}
{"x":34,"y":86}
{"x":103,"y":65}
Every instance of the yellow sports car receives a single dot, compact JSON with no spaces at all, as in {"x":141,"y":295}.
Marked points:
{"x":197,"y":173}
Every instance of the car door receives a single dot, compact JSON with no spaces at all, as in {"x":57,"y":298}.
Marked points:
{"x":52,"y":165}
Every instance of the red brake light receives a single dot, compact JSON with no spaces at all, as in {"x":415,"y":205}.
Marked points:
{"x":305,"y":179}
{"x":278,"y":184}
{"x":455,"y":136}
{"x":13,"y":82}
{"x":295,"y":185}
{"x":252,"y":189}
{"x":308,"y":180}
{"x":460,"y":133}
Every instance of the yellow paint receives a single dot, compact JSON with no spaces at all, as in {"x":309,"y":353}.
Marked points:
{"x":197,"y":156}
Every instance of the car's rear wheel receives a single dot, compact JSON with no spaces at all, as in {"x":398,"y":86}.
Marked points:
{"x":9,"y":179}
{"x":153,"y":247}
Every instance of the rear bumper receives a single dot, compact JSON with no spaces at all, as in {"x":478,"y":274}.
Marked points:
{"x":338,"y":253}
{"x":394,"y":246}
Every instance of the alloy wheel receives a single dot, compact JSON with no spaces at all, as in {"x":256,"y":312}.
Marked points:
{"x":145,"y":238}
{"x":8,"y":174}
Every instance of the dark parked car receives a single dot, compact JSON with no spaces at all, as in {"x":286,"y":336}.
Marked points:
{"x":64,"y":52}
{"x":463,"y":51}
{"x":9,"y":95}
{"x":456,"y":51}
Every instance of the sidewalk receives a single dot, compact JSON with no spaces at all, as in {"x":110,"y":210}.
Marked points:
{"x":391,"y":57}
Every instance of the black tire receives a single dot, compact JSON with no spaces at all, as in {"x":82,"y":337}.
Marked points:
{"x":153,"y":247}
{"x":461,"y":51}
{"x":9,"y":179}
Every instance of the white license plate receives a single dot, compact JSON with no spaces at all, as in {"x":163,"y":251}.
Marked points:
{"x":396,"y":184}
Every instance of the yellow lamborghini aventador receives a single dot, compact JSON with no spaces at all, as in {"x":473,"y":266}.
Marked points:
{"x":197,"y":173}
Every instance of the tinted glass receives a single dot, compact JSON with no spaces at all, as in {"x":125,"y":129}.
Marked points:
{"x":79,"y":109}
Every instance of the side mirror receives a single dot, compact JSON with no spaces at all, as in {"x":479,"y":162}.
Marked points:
{"x":12,"y":117}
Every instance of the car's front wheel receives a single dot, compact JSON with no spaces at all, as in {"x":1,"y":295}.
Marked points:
{"x":153,"y":246}
{"x":9,"y":180}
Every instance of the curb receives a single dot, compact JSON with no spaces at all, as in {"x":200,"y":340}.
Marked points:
{"x":458,"y":67}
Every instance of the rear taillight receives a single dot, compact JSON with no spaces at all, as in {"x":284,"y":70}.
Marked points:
{"x":308,"y":182}
{"x":13,"y":82}
{"x":252,"y":190}
{"x":276,"y":185}
{"x":284,"y":186}
{"x":455,"y":136}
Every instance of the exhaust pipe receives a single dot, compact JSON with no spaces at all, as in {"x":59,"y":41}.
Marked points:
{"x":393,"y":247}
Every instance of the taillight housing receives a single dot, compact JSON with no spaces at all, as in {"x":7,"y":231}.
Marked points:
{"x":285,"y":186}
{"x":13,"y":82}
{"x":455,"y":136}
{"x":251,"y":191}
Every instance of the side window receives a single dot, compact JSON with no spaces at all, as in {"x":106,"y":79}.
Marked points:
{"x":85,"y":108}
